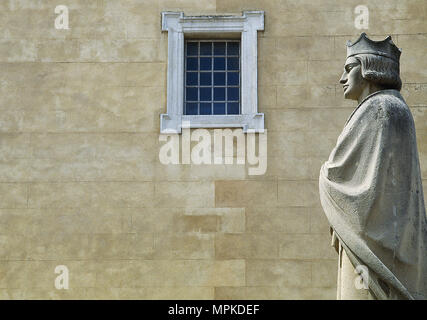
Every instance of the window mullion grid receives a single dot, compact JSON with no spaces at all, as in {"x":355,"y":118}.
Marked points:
{"x":212,"y":71}
{"x":198,"y":78}
{"x":212,"y":77}
{"x":226,"y":78}
{"x":240,"y":75}
{"x":185,"y":77}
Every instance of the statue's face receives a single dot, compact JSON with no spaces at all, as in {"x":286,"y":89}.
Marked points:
{"x":352,"y":80}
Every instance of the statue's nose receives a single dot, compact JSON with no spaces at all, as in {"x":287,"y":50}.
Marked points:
{"x":343,"y":78}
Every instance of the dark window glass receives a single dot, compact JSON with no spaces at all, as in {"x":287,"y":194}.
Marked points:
{"x":219,"y":78}
{"x":205,"y":78}
{"x":205,"y":48}
{"x":192,"y":78}
{"x":206,"y":108}
{"x":192,"y":48}
{"x":205,"y":94}
{"x":192,"y":64}
{"x":232,"y":94}
{"x":232,"y":63}
{"x":219,"y":94}
{"x":232,"y":108}
{"x":232,"y":78}
{"x":219,"y":48}
{"x":191,"y":94}
{"x":219,"y":63}
{"x":191,"y":108}
{"x":212,"y":77}
{"x":205,"y":63}
{"x":233,"y":48}
{"x":219,"y":108}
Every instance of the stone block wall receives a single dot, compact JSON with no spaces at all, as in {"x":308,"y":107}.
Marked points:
{"x":81,"y":183}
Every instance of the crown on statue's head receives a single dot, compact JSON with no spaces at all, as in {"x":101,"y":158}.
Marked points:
{"x":385,"y":48}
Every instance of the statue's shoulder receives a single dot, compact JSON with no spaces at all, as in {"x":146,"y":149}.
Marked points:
{"x":388,"y":105}
{"x":387,"y":98}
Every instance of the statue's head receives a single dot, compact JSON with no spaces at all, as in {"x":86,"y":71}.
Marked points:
{"x":370,"y":63}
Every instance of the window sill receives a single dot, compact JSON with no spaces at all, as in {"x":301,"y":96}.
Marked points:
{"x":248,"y":122}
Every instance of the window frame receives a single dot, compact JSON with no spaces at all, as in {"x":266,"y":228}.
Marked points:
{"x":178,"y":25}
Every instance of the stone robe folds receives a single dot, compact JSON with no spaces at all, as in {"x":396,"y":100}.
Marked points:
{"x":371,"y":192}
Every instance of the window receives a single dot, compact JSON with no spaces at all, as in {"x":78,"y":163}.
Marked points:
{"x":212,"y":71}
{"x":212,"y":77}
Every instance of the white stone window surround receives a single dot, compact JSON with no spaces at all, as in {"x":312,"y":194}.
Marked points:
{"x":177,"y":25}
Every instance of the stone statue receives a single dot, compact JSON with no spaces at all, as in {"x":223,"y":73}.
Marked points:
{"x":371,"y":188}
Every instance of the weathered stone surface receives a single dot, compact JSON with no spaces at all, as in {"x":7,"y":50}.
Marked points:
{"x":280,"y":220}
{"x":245,"y":193}
{"x":306,"y":246}
{"x":91,"y":194}
{"x":246,"y":246}
{"x":307,"y":119}
{"x":184,"y":194}
{"x":415,"y":94}
{"x":81,"y":183}
{"x":274,"y":293}
{"x":272,"y":273}
{"x":318,"y":222}
{"x":304,"y":48}
{"x":324,"y":273}
{"x":110,"y":293}
{"x":13,"y":195}
{"x":183,"y":246}
{"x":298,"y":193}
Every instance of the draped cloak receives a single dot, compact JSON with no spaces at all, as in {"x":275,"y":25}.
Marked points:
{"x":371,"y":192}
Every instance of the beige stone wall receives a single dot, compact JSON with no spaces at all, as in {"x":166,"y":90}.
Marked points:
{"x":81,"y":184}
